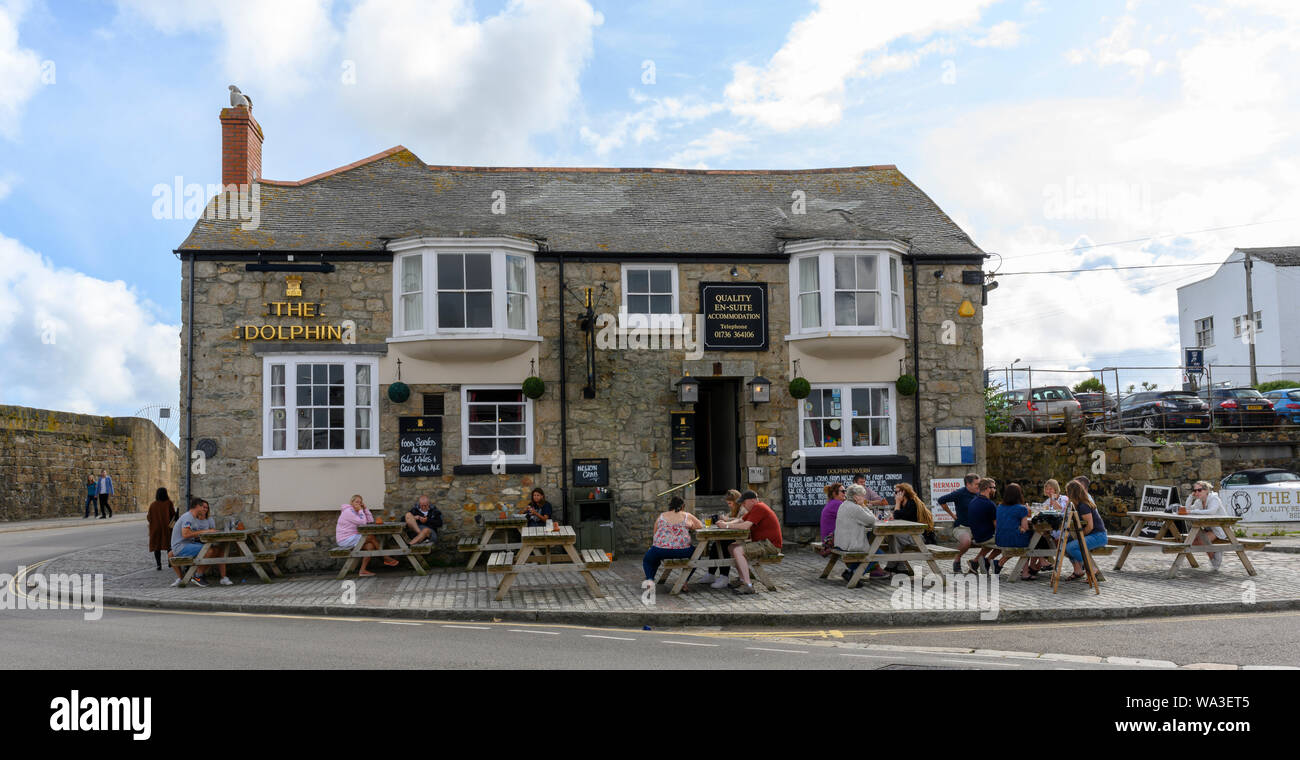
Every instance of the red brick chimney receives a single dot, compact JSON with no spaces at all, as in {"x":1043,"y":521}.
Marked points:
{"x":241,"y":147}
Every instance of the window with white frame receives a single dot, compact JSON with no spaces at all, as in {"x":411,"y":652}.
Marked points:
{"x":496,"y":419}
{"x":449,"y":289}
{"x":319,"y":405}
{"x":848,"y":419}
{"x":649,"y":295}
{"x":1239,"y":323}
{"x":1205,"y":332}
{"x":847,"y":290}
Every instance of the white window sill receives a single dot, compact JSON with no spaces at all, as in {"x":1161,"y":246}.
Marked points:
{"x":324,"y":455}
{"x":874,"y":452}
{"x":848,"y":332}
{"x":468,"y":335}
{"x":466,"y":346}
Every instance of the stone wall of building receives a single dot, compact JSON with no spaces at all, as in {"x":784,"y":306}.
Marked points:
{"x":627,"y":422}
{"x":45,"y":457}
{"x":1130,"y":463}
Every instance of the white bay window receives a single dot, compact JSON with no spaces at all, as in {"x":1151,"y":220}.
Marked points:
{"x":463,"y":288}
{"x":846,"y":288}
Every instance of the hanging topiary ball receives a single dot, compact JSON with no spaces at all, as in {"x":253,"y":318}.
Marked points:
{"x":800,"y":388}
{"x":534,"y":387}
{"x":906,"y":385}
{"x":399,"y":392}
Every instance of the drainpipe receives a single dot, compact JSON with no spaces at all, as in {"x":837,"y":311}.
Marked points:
{"x":564,"y":402}
{"x":916,"y":372}
{"x":189,"y":392}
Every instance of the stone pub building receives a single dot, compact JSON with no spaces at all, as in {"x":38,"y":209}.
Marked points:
{"x":369,"y":330}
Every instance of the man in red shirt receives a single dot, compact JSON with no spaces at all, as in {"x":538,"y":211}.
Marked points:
{"x":764,"y":536}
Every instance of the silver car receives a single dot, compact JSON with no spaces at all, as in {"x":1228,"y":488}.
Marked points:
{"x":1040,"y":409}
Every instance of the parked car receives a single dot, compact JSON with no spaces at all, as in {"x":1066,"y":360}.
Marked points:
{"x":1259,"y":476}
{"x":1239,"y":407}
{"x":1160,"y":410}
{"x":1095,"y":406}
{"x":1040,"y":408}
{"x":1286,"y":404}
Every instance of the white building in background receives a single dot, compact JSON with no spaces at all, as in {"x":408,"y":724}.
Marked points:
{"x":1212,"y":315}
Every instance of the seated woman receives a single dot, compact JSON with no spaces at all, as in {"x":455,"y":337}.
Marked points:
{"x":672,"y":537}
{"x":852,"y":525}
{"x":352,"y":516}
{"x":1204,"y":501}
{"x":1094,"y":530}
{"x":1013,"y":529}
{"x":834,"y":498}
{"x":722,"y":549}
{"x":908,"y":506}
{"x":539,"y":510}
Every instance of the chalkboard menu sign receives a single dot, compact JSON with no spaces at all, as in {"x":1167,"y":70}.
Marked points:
{"x":804,"y":496}
{"x":735,"y":316}
{"x":590,"y":472}
{"x":1159,"y":498}
{"x":419,"y":443}
{"x":683,"y":425}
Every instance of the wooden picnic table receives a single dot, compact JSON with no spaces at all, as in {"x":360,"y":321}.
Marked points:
{"x":511,"y":564}
{"x":248,"y":542}
{"x":392,"y":530}
{"x":889,"y":534}
{"x":1171,"y":540}
{"x":704,"y":537}
{"x":490,"y":526}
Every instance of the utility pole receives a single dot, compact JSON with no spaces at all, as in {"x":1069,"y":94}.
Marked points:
{"x":1250,"y":322}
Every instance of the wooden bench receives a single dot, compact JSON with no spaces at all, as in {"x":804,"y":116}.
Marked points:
{"x":382,"y":533}
{"x":238,"y":547}
{"x":595,"y":558}
{"x":468,"y":545}
{"x":270,"y":555}
{"x":1253,"y":544}
{"x":500,"y":562}
{"x":181,"y":561}
{"x":1116,"y":542}
{"x":893,"y":541}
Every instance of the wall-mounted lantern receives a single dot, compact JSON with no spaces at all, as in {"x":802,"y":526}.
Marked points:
{"x":688,"y":390}
{"x":760,"y":389}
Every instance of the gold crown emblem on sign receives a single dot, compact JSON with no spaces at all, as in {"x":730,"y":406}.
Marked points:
{"x":293,"y":286}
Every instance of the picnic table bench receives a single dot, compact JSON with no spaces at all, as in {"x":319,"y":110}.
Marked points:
{"x":381,"y":530}
{"x":510,"y":564}
{"x":704,"y":537}
{"x":1042,"y":545}
{"x":479,"y":546}
{"x":248,"y":542}
{"x":1170,"y":540}
{"x":889,"y":534}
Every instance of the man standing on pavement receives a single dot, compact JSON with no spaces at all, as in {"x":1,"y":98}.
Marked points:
{"x":961,"y":499}
{"x":423,"y":521}
{"x":105,"y":490}
{"x":186,"y":543}
{"x":764,"y":536}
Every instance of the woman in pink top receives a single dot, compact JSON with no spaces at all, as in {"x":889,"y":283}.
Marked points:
{"x":672,"y":538}
{"x":351,"y":517}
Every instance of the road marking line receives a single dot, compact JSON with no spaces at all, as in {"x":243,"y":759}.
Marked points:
{"x":787,"y":651}
{"x":472,"y":627}
{"x":544,"y":633}
{"x":612,"y":638}
{"x":968,"y":662}
{"x":398,"y":622}
{"x":687,"y":643}
{"x":872,"y":656}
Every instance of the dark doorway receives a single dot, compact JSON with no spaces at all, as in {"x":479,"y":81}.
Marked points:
{"x":717,"y":436}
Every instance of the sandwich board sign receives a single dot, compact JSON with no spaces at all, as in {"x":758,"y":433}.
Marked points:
{"x":1158,"y":499}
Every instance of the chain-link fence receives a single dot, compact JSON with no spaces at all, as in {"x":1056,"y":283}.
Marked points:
{"x":1028,"y":399}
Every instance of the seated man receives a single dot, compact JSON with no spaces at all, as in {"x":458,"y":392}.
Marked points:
{"x":186,"y":543}
{"x":423,"y":521}
{"x":961,"y":499}
{"x":764,"y":536}
{"x":983,"y":514}
{"x":873,"y":499}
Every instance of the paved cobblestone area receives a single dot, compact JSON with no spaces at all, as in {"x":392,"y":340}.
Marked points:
{"x":1141,"y":589}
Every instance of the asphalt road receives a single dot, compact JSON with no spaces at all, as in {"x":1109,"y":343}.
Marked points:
{"x":125,"y":638}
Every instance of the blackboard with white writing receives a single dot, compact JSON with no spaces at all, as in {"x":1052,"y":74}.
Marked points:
{"x":735,"y":316}
{"x":419,"y":443}
{"x":590,"y":472}
{"x":804,"y":495}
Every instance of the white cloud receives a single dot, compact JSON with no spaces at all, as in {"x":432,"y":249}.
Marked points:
{"x":804,"y":83}
{"x":20,"y":70}
{"x":1116,"y":48}
{"x":77,"y":343}
{"x":7,"y":182}
{"x":644,"y":124}
{"x":455,"y":88}
{"x":719,"y":143}
{"x":1004,"y":35}
{"x":266,"y":46}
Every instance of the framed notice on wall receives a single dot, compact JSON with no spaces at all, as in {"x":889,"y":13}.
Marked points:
{"x":955,"y":445}
{"x":735,"y":315}
{"x":683,"y":426}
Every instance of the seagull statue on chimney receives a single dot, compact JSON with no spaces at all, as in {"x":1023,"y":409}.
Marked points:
{"x":238,"y":98}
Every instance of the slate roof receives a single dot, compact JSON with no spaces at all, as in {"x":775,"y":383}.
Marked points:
{"x":1284,"y":256}
{"x":395,"y":195}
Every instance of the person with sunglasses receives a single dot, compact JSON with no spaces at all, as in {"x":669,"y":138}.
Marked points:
{"x":1204,"y":501}
{"x":834,"y":498}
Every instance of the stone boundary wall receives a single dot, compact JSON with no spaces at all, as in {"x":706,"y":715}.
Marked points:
{"x":1130,"y":463}
{"x":46,"y":455}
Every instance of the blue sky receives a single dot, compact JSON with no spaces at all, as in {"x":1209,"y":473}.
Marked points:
{"x":1012,"y":115}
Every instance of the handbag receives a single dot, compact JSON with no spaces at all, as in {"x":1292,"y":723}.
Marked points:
{"x":828,"y":544}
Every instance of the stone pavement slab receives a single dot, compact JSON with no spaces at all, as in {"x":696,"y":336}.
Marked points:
{"x":802,"y":599}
